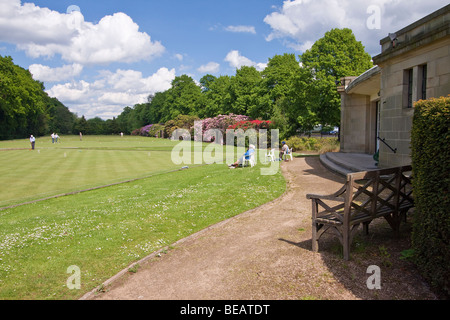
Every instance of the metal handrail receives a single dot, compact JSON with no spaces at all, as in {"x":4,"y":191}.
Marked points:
{"x":383,"y":140}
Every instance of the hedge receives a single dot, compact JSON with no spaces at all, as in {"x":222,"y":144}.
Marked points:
{"x":430,"y":147}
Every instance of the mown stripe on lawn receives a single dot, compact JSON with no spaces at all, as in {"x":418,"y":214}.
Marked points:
{"x":93,"y":188}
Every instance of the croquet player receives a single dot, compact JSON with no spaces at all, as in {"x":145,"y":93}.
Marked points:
{"x":32,"y":141}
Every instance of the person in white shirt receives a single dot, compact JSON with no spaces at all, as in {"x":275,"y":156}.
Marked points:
{"x":284,"y":150}
{"x":32,"y":141}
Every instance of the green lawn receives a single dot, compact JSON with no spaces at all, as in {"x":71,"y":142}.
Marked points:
{"x":105,"y":230}
{"x":73,"y":165}
{"x":100,"y":142}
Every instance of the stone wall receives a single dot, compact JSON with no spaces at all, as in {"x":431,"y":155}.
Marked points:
{"x":395,"y":115}
{"x":356,"y":124}
{"x":425,"y":44}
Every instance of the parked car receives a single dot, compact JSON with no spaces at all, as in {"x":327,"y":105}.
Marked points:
{"x":333,"y":131}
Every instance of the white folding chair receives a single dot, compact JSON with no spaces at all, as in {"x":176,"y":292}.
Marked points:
{"x":270,"y":155}
{"x":287,"y":154}
{"x":251,"y":161}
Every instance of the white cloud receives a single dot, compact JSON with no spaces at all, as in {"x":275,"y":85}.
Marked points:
{"x":41,"y":32}
{"x":301,"y":22}
{"x":107,"y":96}
{"x":184,"y":68}
{"x":71,"y":92}
{"x":47,"y":74}
{"x":159,"y":81}
{"x":26,"y":23}
{"x":211,"y":67}
{"x":297,"y":46}
{"x":236,"y":60}
{"x":179,"y":56}
{"x":120,"y":98}
{"x":260,"y":66}
{"x":242,"y":29}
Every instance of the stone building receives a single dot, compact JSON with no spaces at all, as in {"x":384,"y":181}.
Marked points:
{"x":378,"y":106}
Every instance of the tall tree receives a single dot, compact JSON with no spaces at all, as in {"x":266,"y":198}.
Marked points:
{"x":182,"y":98}
{"x":80,"y":125}
{"x":338,"y":54}
{"x":279,"y":73}
{"x":246,"y":92}
{"x":22,"y":102}
{"x":122,"y":120}
{"x":156,"y":107}
{"x":279,"y":79}
{"x":111,"y":126}
{"x":295,"y":112}
{"x":61,"y":119}
{"x":217,"y":96}
{"x":95,"y":126}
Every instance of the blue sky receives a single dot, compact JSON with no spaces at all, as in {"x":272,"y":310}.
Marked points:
{"x":109,"y":54}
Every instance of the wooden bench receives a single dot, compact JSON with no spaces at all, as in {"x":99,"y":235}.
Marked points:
{"x":364,"y":197}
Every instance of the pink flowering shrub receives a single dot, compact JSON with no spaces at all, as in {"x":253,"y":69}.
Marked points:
{"x":206,"y":126}
{"x":144,"y":131}
{"x":221,"y":123}
{"x":264,"y":137}
{"x":232,"y":122}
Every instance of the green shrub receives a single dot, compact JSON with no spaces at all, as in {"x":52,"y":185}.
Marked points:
{"x":430,"y":145}
{"x":180,"y":122}
{"x":156,"y":130}
{"x":320,"y":145}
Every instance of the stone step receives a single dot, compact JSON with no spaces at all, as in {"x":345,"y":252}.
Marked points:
{"x":330,"y":165}
{"x":344,"y":163}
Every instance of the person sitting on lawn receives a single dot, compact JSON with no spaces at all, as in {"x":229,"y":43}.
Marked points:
{"x":245,"y":156}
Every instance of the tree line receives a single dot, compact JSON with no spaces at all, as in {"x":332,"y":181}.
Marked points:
{"x":294,"y":93}
{"x":25,"y":108}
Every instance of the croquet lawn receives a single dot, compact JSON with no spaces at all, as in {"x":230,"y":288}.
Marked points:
{"x":103,"y":231}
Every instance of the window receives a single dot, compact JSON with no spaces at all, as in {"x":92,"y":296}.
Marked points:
{"x":409,"y":83}
{"x":414,"y":85}
{"x":423,"y":80}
